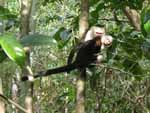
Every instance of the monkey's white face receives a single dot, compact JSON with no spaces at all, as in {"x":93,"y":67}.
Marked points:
{"x":106,"y":40}
{"x":98,"y":31}
{"x":94,"y":32}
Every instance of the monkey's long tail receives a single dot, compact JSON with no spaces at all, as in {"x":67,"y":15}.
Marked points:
{"x":66,"y":68}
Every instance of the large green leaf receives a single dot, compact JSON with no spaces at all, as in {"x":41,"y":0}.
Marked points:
{"x":37,"y":40}
{"x":61,"y":37}
{"x":13,"y":49}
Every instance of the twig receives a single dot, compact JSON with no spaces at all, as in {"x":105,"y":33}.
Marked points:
{"x":103,"y":66}
{"x":29,"y":70}
{"x":112,"y":19}
{"x":12,"y":102}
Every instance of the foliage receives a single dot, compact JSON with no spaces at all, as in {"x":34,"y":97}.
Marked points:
{"x":6,"y":14}
{"x":145,"y":21}
{"x":13,"y":49}
{"x":119,"y":85}
{"x":135,"y":4}
{"x":61,"y":36}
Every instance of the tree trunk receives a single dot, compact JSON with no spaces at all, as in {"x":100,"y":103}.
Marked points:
{"x":1,"y":21}
{"x":14,"y":91}
{"x":33,"y":20}
{"x":27,"y":88}
{"x":80,"y":85}
{"x":25,"y":17}
{"x":2,"y":104}
{"x":80,"y":89}
{"x":133,"y":17}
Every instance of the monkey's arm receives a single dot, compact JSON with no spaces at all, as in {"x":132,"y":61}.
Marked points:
{"x":75,"y":50}
{"x":72,"y":53}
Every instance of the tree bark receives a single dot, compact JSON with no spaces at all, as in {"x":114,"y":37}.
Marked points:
{"x":33,"y":19}
{"x":27,"y":88}
{"x":25,"y":17}
{"x":83,"y":20}
{"x":133,"y":17}
{"x":80,"y":84}
{"x":14,"y":91}
{"x":1,"y":21}
{"x":2,"y":104}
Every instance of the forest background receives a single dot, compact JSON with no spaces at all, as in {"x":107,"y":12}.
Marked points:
{"x":39,"y":34}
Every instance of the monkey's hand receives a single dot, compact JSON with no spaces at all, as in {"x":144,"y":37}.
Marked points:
{"x":100,"y":58}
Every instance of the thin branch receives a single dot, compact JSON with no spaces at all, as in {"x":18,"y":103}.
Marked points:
{"x":112,"y":19}
{"x":12,"y":102}
{"x":122,"y":71}
{"x":29,"y":70}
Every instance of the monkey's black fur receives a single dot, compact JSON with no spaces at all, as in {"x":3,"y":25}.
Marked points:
{"x":86,"y":54}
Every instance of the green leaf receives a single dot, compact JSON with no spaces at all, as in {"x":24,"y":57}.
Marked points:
{"x":13,"y":49}
{"x":57,"y":36}
{"x":62,"y":36}
{"x":6,"y":14}
{"x":145,"y":20}
{"x":37,"y":40}
{"x":145,"y":14}
{"x":94,"y":15}
{"x":147,"y":27}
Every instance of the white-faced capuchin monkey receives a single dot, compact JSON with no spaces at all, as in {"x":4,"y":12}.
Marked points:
{"x":86,"y":53}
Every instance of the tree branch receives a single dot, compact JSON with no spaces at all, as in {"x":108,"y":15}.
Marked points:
{"x":133,"y":17}
{"x":13,"y":103}
{"x":112,"y":19}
